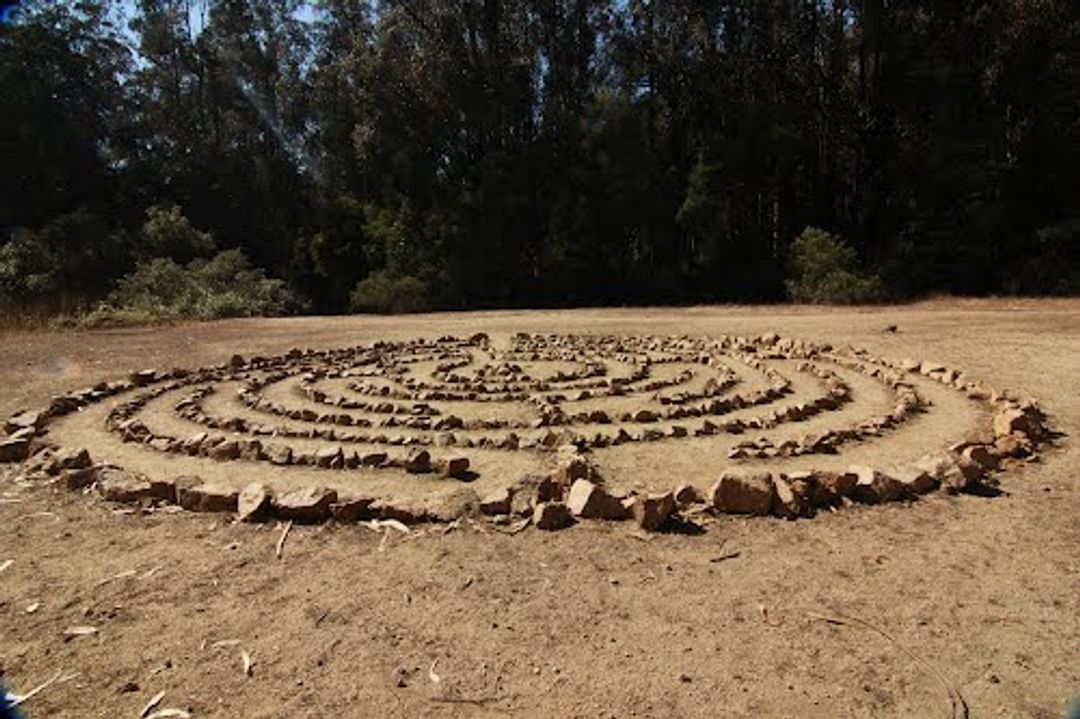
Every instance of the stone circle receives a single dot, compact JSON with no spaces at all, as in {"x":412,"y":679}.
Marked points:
{"x":551,"y":430}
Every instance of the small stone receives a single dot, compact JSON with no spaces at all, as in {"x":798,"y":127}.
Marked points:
{"x":226,"y":451}
{"x":14,"y":450}
{"x":952,"y":471}
{"x":461,"y":502}
{"x":456,"y":467}
{"x":68,"y":458}
{"x":307,"y":504}
{"x":552,"y":516}
{"x":1012,"y":420}
{"x":118,"y":485}
{"x":743,"y":494}
{"x":687,"y":495}
{"x":589,"y":501}
{"x":373,"y":459}
{"x":1013,"y":445}
{"x":353,"y":509}
{"x":653,"y":510}
{"x":25,"y":420}
{"x":786,"y":503}
{"x":198,"y":496}
{"x":874,"y":486}
{"x":253,"y":503}
{"x":417,"y":461}
{"x":982,"y":456}
{"x":916,"y":480}
{"x":278,"y":454}
{"x":330,"y":458}
{"x":496,"y":503}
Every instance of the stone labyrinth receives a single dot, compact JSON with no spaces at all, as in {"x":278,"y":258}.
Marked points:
{"x":542,"y":429}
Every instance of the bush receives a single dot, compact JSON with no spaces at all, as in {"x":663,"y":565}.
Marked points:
{"x":167,"y":233}
{"x":825,"y":271}
{"x":224,"y":286}
{"x":387,"y":294}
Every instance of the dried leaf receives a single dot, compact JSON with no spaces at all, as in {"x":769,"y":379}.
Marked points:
{"x":248,"y":664}
{"x":435,"y":678}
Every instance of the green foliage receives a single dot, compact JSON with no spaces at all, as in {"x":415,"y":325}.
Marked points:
{"x":387,"y":294}
{"x":167,"y":233}
{"x":223,"y":286}
{"x":825,"y":271}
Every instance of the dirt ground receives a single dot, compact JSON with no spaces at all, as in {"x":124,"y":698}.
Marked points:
{"x":868,"y":612}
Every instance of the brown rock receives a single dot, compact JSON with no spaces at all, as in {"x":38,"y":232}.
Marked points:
{"x":456,"y":467}
{"x":417,"y":461}
{"x":198,"y":496}
{"x":307,"y":504}
{"x":589,"y":501}
{"x":498,"y":502}
{"x":874,"y":486}
{"x":119,"y":485}
{"x":651,"y":511}
{"x":687,"y":495}
{"x":552,"y":516}
{"x":373,"y":459}
{"x":952,"y":471}
{"x":226,"y":451}
{"x":1014,"y":445}
{"x":981,"y":455}
{"x":786,"y":502}
{"x":68,"y":458}
{"x":330,"y":458}
{"x":353,"y":509}
{"x":253,"y":503}
{"x":916,"y":480}
{"x":743,"y":493}
{"x":461,"y":502}
{"x":1013,"y":420}
{"x":14,"y":450}
{"x":278,"y":454}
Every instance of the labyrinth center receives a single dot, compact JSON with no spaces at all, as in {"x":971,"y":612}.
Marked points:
{"x":547,"y":427}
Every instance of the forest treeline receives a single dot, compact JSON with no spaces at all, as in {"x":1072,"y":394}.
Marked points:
{"x":229,"y":157}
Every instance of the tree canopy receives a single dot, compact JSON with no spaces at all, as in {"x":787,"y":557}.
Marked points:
{"x":541,"y":152}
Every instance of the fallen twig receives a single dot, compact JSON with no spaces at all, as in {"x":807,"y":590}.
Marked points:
{"x":958,"y":707}
{"x":281,"y":539}
{"x":119,"y":575}
{"x":150,"y":705}
{"x":170,"y":714}
{"x":6,"y":563}
{"x":60,"y":676}
{"x":725,"y":557}
{"x":34,"y":515}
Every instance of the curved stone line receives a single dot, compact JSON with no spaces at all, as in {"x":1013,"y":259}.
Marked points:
{"x":575,"y":489}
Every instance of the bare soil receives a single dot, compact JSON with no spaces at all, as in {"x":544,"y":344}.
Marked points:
{"x":869,"y":612}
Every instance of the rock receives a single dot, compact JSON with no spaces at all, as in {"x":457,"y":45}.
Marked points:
{"x":226,"y":451}
{"x":952,"y":471}
{"x":353,"y":509}
{"x":498,"y":502}
{"x":573,"y":468}
{"x":786,"y":502}
{"x":278,"y":454}
{"x":981,"y":455}
{"x":198,"y":496}
{"x":589,"y":501}
{"x":307,"y":504}
{"x":687,"y":495}
{"x":417,"y":461}
{"x":1013,"y":445}
{"x":456,"y":467}
{"x":461,"y":502}
{"x":14,"y":450}
{"x":403,"y":511}
{"x":373,"y":459}
{"x":68,"y":458}
{"x":76,"y":479}
{"x":874,"y":486}
{"x":645,"y":415}
{"x":330,"y":458}
{"x":743,"y":493}
{"x":531,"y":490}
{"x":253,"y":503}
{"x":651,"y":511}
{"x":837,"y":484}
{"x":119,"y":485}
{"x":25,"y":420}
{"x":552,"y":516}
{"x":916,"y":480}
{"x":1009,"y":421}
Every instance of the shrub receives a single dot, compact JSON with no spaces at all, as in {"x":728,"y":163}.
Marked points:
{"x":825,"y":271}
{"x":167,"y":233}
{"x":386,"y":294}
{"x":224,"y":286}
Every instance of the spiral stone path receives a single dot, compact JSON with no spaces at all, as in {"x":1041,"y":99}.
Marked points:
{"x":543,"y":429}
